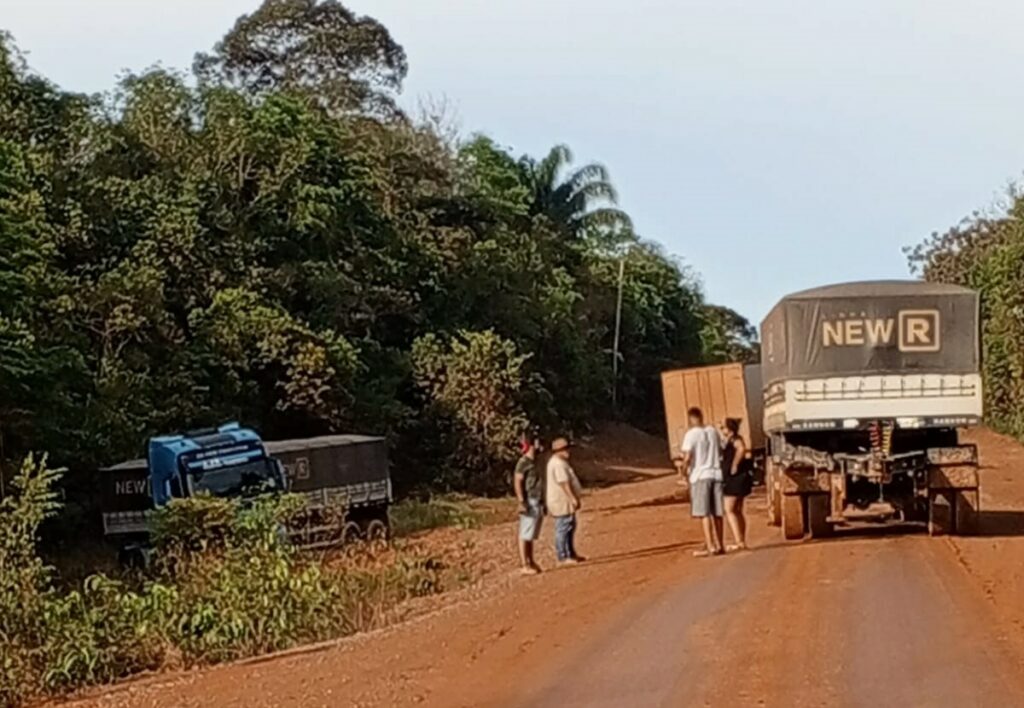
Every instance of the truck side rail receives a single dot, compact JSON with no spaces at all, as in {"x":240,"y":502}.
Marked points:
{"x":925,"y":387}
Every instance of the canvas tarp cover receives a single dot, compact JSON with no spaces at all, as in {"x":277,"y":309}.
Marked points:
{"x":872,"y":328}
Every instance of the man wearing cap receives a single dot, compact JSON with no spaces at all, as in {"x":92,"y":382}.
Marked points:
{"x":563,"y":501}
{"x":529,"y":485}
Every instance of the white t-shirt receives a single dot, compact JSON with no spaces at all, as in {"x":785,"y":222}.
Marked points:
{"x":705,"y":449}
{"x":559,"y":471}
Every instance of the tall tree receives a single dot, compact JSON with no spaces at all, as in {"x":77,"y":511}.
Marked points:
{"x":986,"y":253}
{"x":728,"y":336}
{"x":262,"y":245}
{"x":346,"y":62}
{"x":577,"y":201}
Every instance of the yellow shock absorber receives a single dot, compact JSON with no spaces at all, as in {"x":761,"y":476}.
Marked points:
{"x":887,"y":432}
{"x":876,"y":436}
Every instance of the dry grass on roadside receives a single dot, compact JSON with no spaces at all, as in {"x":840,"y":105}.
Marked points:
{"x":414,"y":516}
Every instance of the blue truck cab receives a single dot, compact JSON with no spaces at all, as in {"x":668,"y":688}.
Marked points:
{"x":228,"y":461}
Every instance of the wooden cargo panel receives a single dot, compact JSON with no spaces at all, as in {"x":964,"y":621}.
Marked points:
{"x":719,"y":391}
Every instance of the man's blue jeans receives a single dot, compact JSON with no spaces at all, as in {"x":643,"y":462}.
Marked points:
{"x":565,"y":537}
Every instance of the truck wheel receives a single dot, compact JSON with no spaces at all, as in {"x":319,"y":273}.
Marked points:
{"x":793,"y":526}
{"x":817,"y":515}
{"x":351,"y":533}
{"x":966,"y":508}
{"x":940,"y":514}
{"x":774,"y":500}
{"x":376,"y":530}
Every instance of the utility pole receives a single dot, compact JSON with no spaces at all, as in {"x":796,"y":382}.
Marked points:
{"x":615,"y":345}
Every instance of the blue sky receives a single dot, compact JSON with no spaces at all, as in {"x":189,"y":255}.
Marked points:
{"x":772,"y":144}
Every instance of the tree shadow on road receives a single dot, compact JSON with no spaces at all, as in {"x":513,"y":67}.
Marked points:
{"x":851,"y":533}
{"x":611,"y":476}
{"x":640,"y":553}
{"x":665,"y":500}
{"x":995,"y":524}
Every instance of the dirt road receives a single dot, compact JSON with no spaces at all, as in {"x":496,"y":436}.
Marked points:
{"x":892,"y":618}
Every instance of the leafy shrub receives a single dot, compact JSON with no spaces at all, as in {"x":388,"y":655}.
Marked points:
{"x":25,"y":582}
{"x":413,"y":515}
{"x":226,"y":584}
{"x":105,"y":631}
{"x":476,"y":382}
{"x":242,"y":587}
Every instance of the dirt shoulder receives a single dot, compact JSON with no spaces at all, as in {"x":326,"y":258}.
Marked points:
{"x":644,"y":623}
{"x":631,"y":492}
{"x":995,"y":557}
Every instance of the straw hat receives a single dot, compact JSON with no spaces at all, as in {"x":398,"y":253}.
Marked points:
{"x":560,"y":444}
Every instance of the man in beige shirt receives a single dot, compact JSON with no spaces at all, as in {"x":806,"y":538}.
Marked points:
{"x":563,"y":500}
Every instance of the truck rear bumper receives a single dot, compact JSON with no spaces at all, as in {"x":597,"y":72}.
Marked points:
{"x":862,"y":487}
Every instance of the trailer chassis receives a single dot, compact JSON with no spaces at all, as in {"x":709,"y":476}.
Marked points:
{"x":813,"y":492}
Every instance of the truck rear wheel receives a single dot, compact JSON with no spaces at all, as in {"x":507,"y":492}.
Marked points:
{"x":817,"y":515}
{"x":793,"y":526}
{"x":376,"y":530}
{"x":774,"y":499}
{"x":966,"y":509}
{"x":351,"y":533}
{"x":940,"y":514}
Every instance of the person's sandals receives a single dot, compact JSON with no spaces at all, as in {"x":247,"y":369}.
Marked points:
{"x":530,"y":570}
{"x":735,"y":547}
{"x":705,"y":553}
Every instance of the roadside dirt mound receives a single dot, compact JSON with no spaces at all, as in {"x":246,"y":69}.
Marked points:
{"x":618,"y":453}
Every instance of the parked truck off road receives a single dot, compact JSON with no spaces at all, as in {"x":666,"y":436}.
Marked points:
{"x":344,"y":478}
{"x":864,"y":387}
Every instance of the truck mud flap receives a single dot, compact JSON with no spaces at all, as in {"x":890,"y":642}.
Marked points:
{"x":819,"y":507}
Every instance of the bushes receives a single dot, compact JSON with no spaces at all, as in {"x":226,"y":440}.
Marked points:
{"x":226,"y":584}
{"x":986,"y":253}
{"x":475,"y":384}
{"x":412,"y":515}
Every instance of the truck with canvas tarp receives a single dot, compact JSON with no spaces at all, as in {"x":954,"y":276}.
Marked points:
{"x":865,"y":388}
{"x":345,"y":479}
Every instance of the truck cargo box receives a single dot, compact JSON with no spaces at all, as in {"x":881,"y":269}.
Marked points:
{"x":724,"y":391}
{"x":881,"y":327}
{"x":842,"y":355}
{"x":351,"y":470}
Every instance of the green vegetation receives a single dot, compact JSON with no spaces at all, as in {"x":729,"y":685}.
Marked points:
{"x":986,"y":253}
{"x":412,"y":515}
{"x":224,"y":585}
{"x":271,"y":239}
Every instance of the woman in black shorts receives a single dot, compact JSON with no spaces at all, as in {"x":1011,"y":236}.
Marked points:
{"x":738,"y":481}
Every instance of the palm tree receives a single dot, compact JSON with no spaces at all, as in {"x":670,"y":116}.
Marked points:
{"x":584,"y":201}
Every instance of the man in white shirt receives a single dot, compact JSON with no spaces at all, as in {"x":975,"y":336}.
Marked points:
{"x":702,"y":449}
{"x":563,"y":493}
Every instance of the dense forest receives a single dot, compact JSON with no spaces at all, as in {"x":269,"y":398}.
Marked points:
{"x":986,"y":252}
{"x":272,"y":238}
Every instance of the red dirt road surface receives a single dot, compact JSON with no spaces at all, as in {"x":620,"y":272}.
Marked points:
{"x":870,"y":618}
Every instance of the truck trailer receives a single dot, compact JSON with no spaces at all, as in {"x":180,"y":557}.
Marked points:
{"x":865,"y":388}
{"x":722,"y":391}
